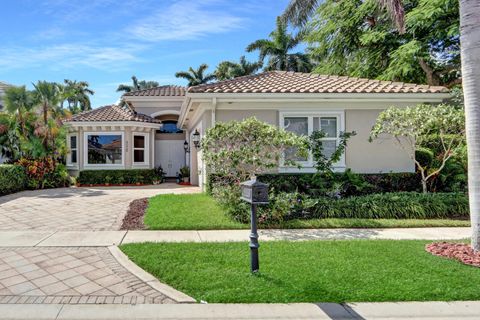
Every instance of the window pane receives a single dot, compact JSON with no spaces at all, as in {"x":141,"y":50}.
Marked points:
{"x":139,"y":142}
{"x":73,"y":142}
{"x":329,"y":126}
{"x":138,"y":156}
{"x":329,"y":148}
{"x":104,"y":149}
{"x":74,"y":156}
{"x":299,"y":126}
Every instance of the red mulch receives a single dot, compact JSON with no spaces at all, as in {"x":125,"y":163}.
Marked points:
{"x":133,"y":220}
{"x":457,"y":251}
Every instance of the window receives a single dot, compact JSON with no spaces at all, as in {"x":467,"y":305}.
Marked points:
{"x":169,"y":126}
{"x":140,"y":147}
{"x":104,"y":149}
{"x":331,"y":123}
{"x":72,"y":159}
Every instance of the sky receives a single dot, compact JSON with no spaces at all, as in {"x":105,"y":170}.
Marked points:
{"x":105,"y":42}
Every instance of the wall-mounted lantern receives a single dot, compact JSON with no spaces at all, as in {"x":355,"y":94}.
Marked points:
{"x":186,"y":147}
{"x":196,"y":139}
{"x":254,"y":192}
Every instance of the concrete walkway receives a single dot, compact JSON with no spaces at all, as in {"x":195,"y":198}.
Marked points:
{"x":75,"y":208}
{"x":391,"y":311}
{"x":109,"y":238}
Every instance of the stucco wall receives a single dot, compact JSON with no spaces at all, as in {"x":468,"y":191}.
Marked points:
{"x":268,"y":116}
{"x":381,"y":155}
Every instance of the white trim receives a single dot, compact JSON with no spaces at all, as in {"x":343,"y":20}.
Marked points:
{"x":307,"y":166}
{"x":70,"y":164}
{"x":146,"y":149}
{"x":164,"y":112}
{"x":103,"y":166}
{"x":112,"y":124}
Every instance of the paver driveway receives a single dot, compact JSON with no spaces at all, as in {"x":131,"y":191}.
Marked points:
{"x":75,"y":208}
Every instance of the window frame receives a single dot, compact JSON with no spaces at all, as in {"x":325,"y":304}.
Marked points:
{"x":145,"y":149}
{"x":310,"y":115}
{"x":70,"y":149}
{"x":102,"y":133}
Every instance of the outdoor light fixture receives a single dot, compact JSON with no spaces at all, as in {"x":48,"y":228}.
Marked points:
{"x":196,"y":139}
{"x":254,"y":192}
{"x":185,"y":147}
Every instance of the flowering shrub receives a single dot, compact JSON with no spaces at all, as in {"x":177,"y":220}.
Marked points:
{"x":44,"y":173}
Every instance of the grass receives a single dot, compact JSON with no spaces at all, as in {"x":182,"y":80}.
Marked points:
{"x":312,"y":271}
{"x":201,"y":212}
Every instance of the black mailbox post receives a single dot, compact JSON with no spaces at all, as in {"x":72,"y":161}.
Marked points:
{"x":254,"y":192}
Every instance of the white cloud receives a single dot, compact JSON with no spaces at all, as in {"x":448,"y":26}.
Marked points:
{"x":68,"y":56}
{"x":185,"y":20}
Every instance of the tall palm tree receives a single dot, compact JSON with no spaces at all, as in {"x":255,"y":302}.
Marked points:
{"x":18,"y":102}
{"x":137,"y":85}
{"x":470,"y":55}
{"x":229,"y":69}
{"x":277,"y":49}
{"x":77,"y":94}
{"x":298,"y":12}
{"x":48,"y":96}
{"x":196,"y":77}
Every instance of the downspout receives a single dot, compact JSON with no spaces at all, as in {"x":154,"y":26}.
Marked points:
{"x":214,"y":108}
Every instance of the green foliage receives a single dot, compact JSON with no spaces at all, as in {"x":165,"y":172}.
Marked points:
{"x":323,"y":164}
{"x":237,"y":150}
{"x":12,"y":178}
{"x":185,"y":172}
{"x":356,"y":38}
{"x":77,"y":95}
{"x":137,"y":85}
{"x":278,"y":50}
{"x":197,"y":76}
{"x":229,"y":70}
{"x":415,"y":127}
{"x":44,"y":173}
{"x":131,"y":176}
{"x":424,"y":156}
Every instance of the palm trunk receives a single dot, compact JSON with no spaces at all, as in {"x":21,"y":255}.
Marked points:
{"x":470,"y":54}
{"x":45,"y":121}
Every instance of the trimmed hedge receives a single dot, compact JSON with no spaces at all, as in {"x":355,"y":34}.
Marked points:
{"x":401,"y":205}
{"x":13,"y":178}
{"x":132,"y":176}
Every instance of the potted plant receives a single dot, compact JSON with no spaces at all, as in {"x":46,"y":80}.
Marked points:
{"x":138,"y":180}
{"x":185,"y":173}
{"x":159,"y":175}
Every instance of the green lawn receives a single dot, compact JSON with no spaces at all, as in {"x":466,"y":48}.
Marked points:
{"x":313,"y":271}
{"x":201,"y":212}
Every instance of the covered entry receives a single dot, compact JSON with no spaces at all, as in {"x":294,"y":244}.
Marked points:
{"x":170,"y":155}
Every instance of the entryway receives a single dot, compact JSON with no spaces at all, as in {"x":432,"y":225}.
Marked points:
{"x":170,"y":155}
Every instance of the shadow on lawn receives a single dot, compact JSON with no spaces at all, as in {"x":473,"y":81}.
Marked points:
{"x":318,"y":234}
{"x":339,"y":311}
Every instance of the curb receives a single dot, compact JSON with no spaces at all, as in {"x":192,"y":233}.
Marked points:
{"x":128,"y":264}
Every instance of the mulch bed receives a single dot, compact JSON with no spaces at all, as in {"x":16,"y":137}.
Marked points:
{"x":457,"y":251}
{"x":133,"y":220}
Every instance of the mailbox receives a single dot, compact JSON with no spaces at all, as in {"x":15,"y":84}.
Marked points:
{"x":255,"y":192}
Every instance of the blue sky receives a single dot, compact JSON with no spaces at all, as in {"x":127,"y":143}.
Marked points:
{"x":105,"y":42}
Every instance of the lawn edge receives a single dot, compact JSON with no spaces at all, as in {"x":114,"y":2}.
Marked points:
{"x":149,"y":279}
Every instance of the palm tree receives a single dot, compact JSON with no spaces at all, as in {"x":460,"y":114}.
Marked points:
{"x":298,"y":12}
{"x":277,"y":49}
{"x":77,"y":95}
{"x":196,"y":77}
{"x":470,"y":54}
{"x":137,"y":85}
{"x":48,"y":96}
{"x":229,"y":69}
{"x":18,"y":102}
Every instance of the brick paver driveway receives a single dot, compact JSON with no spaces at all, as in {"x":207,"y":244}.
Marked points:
{"x":75,"y":208}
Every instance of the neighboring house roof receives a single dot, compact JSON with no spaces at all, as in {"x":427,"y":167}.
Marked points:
{"x":162,"y":91}
{"x":112,"y":113}
{"x":296,"y":82}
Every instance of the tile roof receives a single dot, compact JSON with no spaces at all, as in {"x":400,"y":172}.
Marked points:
{"x":296,"y":82}
{"x":162,"y":91}
{"x":112,"y":113}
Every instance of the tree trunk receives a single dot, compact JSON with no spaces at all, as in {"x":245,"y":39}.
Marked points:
{"x":470,"y":54}
{"x":424,"y":186}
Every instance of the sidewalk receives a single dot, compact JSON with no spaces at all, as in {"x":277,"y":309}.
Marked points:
{"x":108,"y":238}
{"x":387,"y":310}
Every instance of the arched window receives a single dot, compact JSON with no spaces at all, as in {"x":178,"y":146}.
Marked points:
{"x":170,"y":126}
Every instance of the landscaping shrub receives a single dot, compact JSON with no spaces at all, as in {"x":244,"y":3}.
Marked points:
{"x":12,"y":178}
{"x":133,"y":176}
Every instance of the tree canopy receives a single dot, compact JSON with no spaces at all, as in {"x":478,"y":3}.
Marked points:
{"x":137,"y":85}
{"x":229,"y":69}
{"x":197,"y":76}
{"x":357,"y":38}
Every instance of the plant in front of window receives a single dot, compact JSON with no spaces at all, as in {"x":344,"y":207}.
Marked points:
{"x":185,"y":174}
{"x":413,"y":127}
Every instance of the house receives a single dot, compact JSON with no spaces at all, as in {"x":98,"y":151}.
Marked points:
{"x":157,"y":126}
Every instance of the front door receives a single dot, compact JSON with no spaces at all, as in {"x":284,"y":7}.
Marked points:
{"x":170,"y":155}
